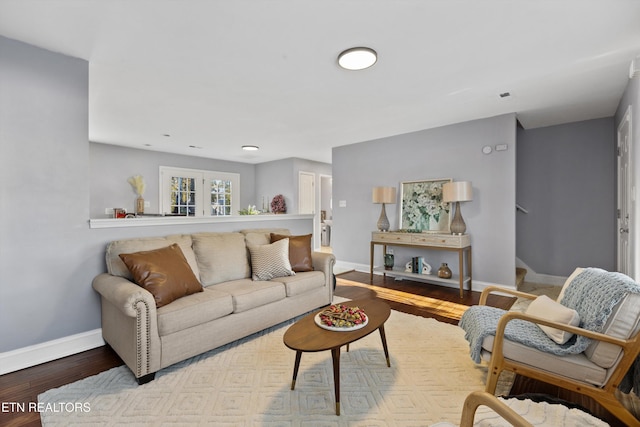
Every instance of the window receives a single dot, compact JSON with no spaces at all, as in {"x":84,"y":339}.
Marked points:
{"x":194,"y":192}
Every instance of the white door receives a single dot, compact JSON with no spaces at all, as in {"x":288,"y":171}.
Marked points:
{"x":625,"y":191}
{"x":306,"y":193}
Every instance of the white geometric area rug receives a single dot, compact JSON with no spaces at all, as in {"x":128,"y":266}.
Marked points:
{"x":247,"y":383}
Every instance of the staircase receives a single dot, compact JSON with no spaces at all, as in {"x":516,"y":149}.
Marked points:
{"x":520,"y":273}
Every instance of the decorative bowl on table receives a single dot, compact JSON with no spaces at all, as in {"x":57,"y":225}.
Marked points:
{"x":341,"y":318}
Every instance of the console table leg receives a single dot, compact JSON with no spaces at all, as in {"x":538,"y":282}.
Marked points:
{"x":461,"y":268}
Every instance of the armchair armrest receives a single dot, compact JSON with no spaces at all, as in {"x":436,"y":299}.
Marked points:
{"x":478,"y":398}
{"x":507,"y":317}
{"x":123,"y":294}
{"x":498,"y":289}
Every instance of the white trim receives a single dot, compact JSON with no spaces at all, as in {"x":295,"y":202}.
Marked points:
{"x":183,"y":220}
{"x":33,"y":355}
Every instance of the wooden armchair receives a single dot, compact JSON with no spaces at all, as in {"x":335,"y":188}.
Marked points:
{"x":589,"y":373}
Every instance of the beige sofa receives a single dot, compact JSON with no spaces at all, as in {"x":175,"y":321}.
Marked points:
{"x":230,"y":306}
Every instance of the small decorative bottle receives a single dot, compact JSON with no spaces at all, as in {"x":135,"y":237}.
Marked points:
{"x":444,"y":272}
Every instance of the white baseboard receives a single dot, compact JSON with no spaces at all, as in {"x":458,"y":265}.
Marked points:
{"x":33,"y":355}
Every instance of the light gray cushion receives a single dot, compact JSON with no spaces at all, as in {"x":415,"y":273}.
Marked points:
{"x":546,"y":308}
{"x":575,"y":366}
{"x":302,"y":282}
{"x":248,"y":294}
{"x":221,"y":257}
{"x":194,"y":310}
{"x":622,"y":323}
{"x":116,"y":267}
{"x":269,"y":261}
{"x":261,"y":236}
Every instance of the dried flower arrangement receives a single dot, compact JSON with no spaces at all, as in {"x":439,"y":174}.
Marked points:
{"x":137,"y":182}
{"x":278,"y":204}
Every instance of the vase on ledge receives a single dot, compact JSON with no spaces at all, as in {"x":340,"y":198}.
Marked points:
{"x":139,"y":205}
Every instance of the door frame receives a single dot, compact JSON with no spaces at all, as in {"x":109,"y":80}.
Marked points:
{"x":626,"y":266}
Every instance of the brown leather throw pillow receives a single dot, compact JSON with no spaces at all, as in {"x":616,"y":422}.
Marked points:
{"x":299,"y":251}
{"x":164,"y":272}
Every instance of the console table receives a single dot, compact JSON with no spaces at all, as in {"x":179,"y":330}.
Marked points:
{"x":440,"y":242}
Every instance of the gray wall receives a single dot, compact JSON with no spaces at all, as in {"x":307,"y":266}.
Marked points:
{"x":566,"y":179}
{"x":281,"y":177}
{"x":48,"y":253}
{"x":448,"y":152}
{"x":44,"y":206}
{"x":112,"y":165}
{"x":631,"y":98}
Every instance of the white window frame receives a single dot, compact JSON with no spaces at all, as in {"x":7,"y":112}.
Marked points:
{"x":203,"y":197}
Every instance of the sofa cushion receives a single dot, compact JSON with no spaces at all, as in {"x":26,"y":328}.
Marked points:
{"x":548,"y":309}
{"x":194,"y":310}
{"x":302,"y":282}
{"x":164,"y":272}
{"x":248,"y":294}
{"x":262,"y":236}
{"x":221,"y":257}
{"x":299,"y":251}
{"x":116,"y":267}
{"x":269,"y":261}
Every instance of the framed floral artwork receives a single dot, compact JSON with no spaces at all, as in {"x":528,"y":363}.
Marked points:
{"x":422,"y":208}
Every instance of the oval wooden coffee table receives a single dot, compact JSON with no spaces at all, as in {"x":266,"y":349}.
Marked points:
{"x":306,"y":336}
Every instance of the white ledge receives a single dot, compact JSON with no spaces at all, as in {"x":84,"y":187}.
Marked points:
{"x":183,"y":220}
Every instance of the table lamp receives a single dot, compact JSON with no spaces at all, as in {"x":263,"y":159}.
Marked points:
{"x":459,"y":191}
{"x":384,"y":195}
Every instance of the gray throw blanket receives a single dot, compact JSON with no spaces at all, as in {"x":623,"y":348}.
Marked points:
{"x":593,"y":294}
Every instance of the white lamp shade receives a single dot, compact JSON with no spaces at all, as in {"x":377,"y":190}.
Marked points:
{"x":459,"y":191}
{"x":384,"y":195}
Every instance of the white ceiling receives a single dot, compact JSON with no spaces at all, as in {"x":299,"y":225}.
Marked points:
{"x":219,"y":74}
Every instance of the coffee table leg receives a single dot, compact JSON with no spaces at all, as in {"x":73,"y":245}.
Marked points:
{"x":335,"y":355}
{"x":295,"y":369}
{"x":384,"y":345}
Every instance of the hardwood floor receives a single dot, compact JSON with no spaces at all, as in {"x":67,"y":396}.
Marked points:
{"x":23,"y":387}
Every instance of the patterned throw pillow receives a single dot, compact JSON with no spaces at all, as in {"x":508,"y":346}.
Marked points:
{"x":270,"y":261}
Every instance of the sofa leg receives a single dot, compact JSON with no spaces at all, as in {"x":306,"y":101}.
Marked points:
{"x":146,"y":378}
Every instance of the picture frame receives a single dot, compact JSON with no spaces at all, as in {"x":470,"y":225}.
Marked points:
{"x":422,"y":209}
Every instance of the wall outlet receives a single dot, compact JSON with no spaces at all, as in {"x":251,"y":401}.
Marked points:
{"x":147,"y":204}
{"x":342,"y":203}
{"x":501,"y":147}
{"x":108,"y":211}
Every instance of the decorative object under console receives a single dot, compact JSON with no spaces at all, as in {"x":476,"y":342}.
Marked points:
{"x":429,"y":241}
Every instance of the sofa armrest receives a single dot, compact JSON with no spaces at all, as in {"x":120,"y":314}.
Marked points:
{"x":130,"y":324}
{"x":123,"y":294}
{"x":323,"y":261}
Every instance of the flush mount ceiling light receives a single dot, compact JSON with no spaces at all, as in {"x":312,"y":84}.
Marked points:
{"x":250,"y":147}
{"x":357,"y":58}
